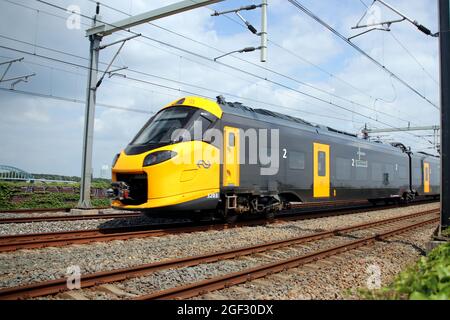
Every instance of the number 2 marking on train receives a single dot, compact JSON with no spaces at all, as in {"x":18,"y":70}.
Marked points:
{"x":284,"y":153}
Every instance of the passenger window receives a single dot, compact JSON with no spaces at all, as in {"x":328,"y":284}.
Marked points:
{"x":385,"y":179}
{"x":361,"y":174}
{"x":388,"y":173}
{"x":416,"y":176}
{"x":322,"y":164}
{"x":377,"y":172}
{"x":343,"y":169}
{"x":231,"y":140}
{"x":296,"y":160}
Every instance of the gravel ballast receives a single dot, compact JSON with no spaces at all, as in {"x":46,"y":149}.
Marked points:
{"x":28,"y":266}
{"x":60,"y":226}
{"x":339,"y":277}
{"x":5,"y":214}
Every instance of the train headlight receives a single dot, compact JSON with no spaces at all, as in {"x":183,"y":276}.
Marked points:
{"x":116,"y":157}
{"x":158,"y":157}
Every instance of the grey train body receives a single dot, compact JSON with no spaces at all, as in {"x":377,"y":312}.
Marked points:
{"x":358,"y":169}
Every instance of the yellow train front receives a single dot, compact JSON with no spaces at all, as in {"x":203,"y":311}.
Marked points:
{"x":168,"y":165}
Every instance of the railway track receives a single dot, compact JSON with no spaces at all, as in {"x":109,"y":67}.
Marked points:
{"x":398,"y":225}
{"x":63,"y":238}
{"x":232,"y":279}
{"x":43,"y":210}
{"x":68,"y":218}
{"x":44,"y":218}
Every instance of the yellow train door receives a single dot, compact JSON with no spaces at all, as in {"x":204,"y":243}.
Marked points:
{"x":231,"y":174}
{"x":321,"y":169}
{"x":426,"y":177}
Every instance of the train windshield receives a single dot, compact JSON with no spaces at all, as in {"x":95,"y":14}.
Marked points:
{"x":160,"y":128}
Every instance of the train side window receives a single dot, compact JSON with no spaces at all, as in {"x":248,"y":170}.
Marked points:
{"x":416,"y":176}
{"x":322,"y":164}
{"x":377,"y":172}
{"x":389,"y":170}
{"x":296,"y":160}
{"x":434,"y":175}
{"x":386,"y":178}
{"x":361,"y":174}
{"x":343,"y":169}
{"x":231,"y":140}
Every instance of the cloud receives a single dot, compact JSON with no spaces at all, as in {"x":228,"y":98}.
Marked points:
{"x":44,"y":135}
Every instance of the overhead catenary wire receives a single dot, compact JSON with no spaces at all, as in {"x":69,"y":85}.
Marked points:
{"x":268,"y":69}
{"x":408,"y":51}
{"x":84,"y":75}
{"x":364,"y":4}
{"x":144,"y":73}
{"x":361,"y":51}
{"x":275,"y":72}
{"x":74,"y":100}
{"x":183,"y":90}
{"x":190,"y":92}
{"x":233,"y":67}
{"x":350,"y":101}
{"x":237,"y":69}
{"x":89,"y":25}
{"x":303,"y":59}
{"x":179,"y":82}
{"x":413,"y":57}
{"x":330,"y":74}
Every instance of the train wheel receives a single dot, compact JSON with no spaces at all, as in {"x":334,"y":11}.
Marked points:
{"x":231,"y":218}
{"x":196,"y":217}
{"x":270,"y":215}
{"x":227,"y":216}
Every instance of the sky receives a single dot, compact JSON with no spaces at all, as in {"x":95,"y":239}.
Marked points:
{"x":310,"y":73}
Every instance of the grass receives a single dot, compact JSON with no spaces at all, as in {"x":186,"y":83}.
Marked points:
{"x":446,"y":232}
{"x":428,"y":279}
{"x":47,"y":200}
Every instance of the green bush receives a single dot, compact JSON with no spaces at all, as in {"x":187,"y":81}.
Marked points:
{"x":446,"y":232}
{"x":6,"y":193}
{"x":428,"y":279}
{"x":43,"y":199}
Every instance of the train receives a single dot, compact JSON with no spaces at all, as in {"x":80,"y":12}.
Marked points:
{"x":197,"y":155}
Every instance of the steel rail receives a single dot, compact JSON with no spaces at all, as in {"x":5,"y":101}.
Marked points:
{"x":59,"y":285}
{"x":36,"y":210}
{"x":68,"y":218}
{"x":129,"y":214}
{"x":217,"y":283}
{"x":63,"y":238}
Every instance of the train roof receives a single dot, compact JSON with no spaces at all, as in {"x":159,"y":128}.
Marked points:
{"x":237,"y":108}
